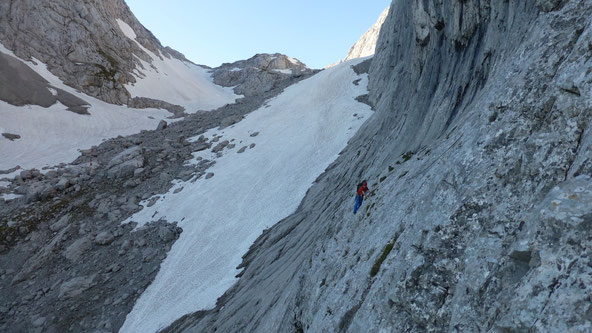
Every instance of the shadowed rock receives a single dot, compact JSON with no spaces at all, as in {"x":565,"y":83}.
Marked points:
{"x":20,"y":85}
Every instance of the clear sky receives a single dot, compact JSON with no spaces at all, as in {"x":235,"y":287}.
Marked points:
{"x":317,"y":32}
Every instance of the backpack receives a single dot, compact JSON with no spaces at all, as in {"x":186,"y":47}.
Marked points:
{"x":358,"y":187}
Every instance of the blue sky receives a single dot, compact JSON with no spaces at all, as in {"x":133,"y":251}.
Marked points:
{"x":317,"y":32}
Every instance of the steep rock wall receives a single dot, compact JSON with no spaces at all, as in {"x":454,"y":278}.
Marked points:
{"x":478,"y":162}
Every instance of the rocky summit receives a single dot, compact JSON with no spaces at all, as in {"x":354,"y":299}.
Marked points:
{"x":258,"y":74}
{"x":477,"y":156}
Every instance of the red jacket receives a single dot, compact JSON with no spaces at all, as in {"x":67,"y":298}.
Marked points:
{"x":362,"y":189}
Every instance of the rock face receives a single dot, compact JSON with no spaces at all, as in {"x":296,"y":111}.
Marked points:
{"x":259,"y":74}
{"x":366,"y":46}
{"x":80,"y":42}
{"x":478,"y":161}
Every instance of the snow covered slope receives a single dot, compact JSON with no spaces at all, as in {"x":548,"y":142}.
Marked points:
{"x":53,"y":135}
{"x":175,"y":81}
{"x":295,"y":138}
{"x":50,"y":136}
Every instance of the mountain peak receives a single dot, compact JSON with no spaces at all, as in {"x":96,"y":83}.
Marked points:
{"x":366,"y":46}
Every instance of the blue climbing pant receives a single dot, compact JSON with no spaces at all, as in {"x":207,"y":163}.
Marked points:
{"x":359,"y":200}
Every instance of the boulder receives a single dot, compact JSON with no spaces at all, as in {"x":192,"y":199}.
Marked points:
{"x":39,"y":322}
{"x":153,"y":201}
{"x":125,"y":163}
{"x":126,"y":155}
{"x":51,"y":174}
{"x":104,"y":238}
{"x":219,"y":147}
{"x":26,"y":174}
{"x":76,"y":286}
{"x":162,"y":125}
{"x":75,"y":251}
{"x":61,"y":223}
{"x":11,"y":136}
{"x":166,"y":234}
{"x":126,"y":169}
{"x":63,"y":184}
{"x":37,"y":191}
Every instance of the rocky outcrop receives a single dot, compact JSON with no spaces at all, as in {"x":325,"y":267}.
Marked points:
{"x":80,"y":42}
{"x":259,"y":74}
{"x":479,"y":170}
{"x":145,"y":103}
{"x":366,"y":46}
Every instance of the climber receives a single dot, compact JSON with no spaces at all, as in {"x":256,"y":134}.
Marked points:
{"x":361,"y":192}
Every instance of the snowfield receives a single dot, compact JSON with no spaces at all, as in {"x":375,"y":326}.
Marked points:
{"x":301,"y":132}
{"x":53,"y":135}
{"x":188,"y":85}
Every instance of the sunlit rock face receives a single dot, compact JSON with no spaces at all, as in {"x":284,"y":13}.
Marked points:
{"x":478,"y":164}
{"x":81,"y":42}
{"x":366,"y":46}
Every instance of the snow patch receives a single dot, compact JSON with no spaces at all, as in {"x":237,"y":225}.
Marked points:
{"x":284,"y":71}
{"x":53,"y":135}
{"x":175,"y":81}
{"x":301,"y":133}
{"x":13,"y":174}
{"x":294,"y":61}
{"x":127,"y":30}
{"x":10,"y":196}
